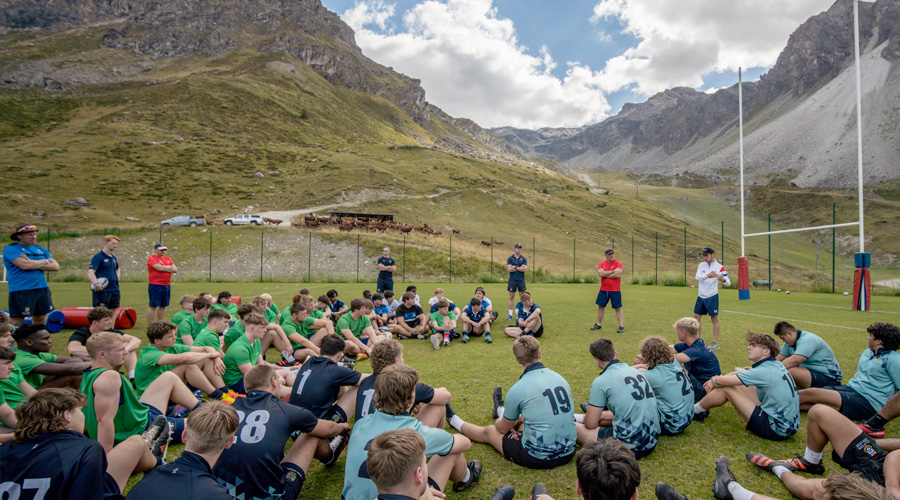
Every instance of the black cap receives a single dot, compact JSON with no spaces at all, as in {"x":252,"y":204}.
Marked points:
{"x":609,"y":251}
{"x":518,"y":245}
{"x":707,"y":250}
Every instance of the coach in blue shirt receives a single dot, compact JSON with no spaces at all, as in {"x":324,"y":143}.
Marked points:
{"x":29,"y":293}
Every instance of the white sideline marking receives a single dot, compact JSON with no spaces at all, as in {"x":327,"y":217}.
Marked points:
{"x":822,"y":305}
{"x":796,"y":320}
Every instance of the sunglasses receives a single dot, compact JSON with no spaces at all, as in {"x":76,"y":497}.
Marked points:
{"x":26,"y":229}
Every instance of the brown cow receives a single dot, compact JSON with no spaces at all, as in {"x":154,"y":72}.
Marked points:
{"x":456,"y":231}
{"x":498,"y":243}
{"x":311,"y":222}
{"x":486,"y":243}
{"x":406,"y":229}
{"x":346,"y":227}
{"x":296,"y":224}
{"x":216,"y":223}
{"x":438,"y":233}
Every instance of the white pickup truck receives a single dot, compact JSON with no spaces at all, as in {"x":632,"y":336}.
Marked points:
{"x":244,"y":219}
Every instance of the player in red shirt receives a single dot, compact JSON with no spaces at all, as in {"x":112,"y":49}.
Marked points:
{"x":160,"y":268}
{"x":610,"y":273}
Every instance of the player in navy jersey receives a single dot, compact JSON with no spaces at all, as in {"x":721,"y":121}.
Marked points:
{"x":692,"y":352}
{"x":476,"y":320}
{"x":543,"y":400}
{"x":429,"y":402}
{"x":764,"y":395}
{"x":336,"y":306}
{"x":255,"y":467}
{"x":318,"y":389}
{"x":409,"y":318}
{"x":528,"y":318}
{"x":210,"y":430}
{"x":631,"y":416}
{"x":52,"y":458}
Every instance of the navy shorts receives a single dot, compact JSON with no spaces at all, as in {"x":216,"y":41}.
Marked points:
{"x":853,"y":405}
{"x":111,"y":488}
{"x":107,"y":298}
{"x":709,"y":305}
{"x":699,"y":391}
{"x":819,"y":379}
{"x":537,"y":334}
{"x":238,"y":387}
{"x":34,"y":302}
{"x":517,"y":454}
{"x":864,"y":457}
{"x":516,"y":285}
{"x":607,"y":433}
{"x":294,"y":477}
{"x":383,"y":285}
{"x":759,"y":425}
{"x":603,"y":297}
{"x":175,"y":423}
{"x":159,"y":295}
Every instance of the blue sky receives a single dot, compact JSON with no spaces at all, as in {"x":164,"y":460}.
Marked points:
{"x":537,"y":63}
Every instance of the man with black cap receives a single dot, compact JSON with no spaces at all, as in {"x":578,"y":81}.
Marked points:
{"x":29,"y":293}
{"x":610,"y":273}
{"x":160,"y":268}
{"x":516,"y":264}
{"x":709,"y":274}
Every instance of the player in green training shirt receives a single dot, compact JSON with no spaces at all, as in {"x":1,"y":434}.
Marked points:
{"x":246,"y":352}
{"x":191,"y":326}
{"x":200,"y":366}
{"x":7,"y":414}
{"x":187,"y":309}
{"x":36,"y":361}
{"x":14,"y":389}
{"x":274,"y":335}
{"x":216,"y":324}
{"x":224,"y":303}
{"x":443,"y":323}
{"x":356,"y":328}
{"x":305,"y":332}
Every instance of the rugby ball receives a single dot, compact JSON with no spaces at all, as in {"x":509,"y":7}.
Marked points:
{"x":100,"y":281}
{"x":788,"y":292}
{"x":846,"y":293}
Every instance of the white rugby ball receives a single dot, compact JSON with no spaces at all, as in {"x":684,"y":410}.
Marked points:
{"x":846,"y":293}
{"x":100,"y":281}
{"x":788,"y":292}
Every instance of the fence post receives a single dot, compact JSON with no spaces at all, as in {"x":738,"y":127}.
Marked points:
{"x":770,"y":253}
{"x":404,"y":257}
{"x":209,"y":280}
{"x":833,"y":221}
{"x":632,"y":255}
{"x":160,"y":234}
{"x":261,"y":233}
{"x":533,"y":259}
{"x":657,"y":259}
{"x":357,"y":257}
{"x":47,"y":273}
{"x":309,"y":259}
{"x":451,"y":257}
{"x":723,"y":243}
{"x":491,"y":265}
{"x":685,"y":256}
{"x":573,"y":260}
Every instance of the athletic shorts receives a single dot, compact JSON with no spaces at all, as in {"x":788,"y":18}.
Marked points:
{"x":699,"y":391}
{"x":159,"y":295}
{"x":864,"y":457}
{"x":516,"y":453}
{"x":383,"y":285}
{"x":538,"y":333}
{"x":34,"y":302}
{"x":819,"y":379}
{"x":108,"y":299}
{"x":516,"y":285}
{"x":111,"y":488}
{"x":607,"y":433}
{"x":335,"y":414}
{"x":294,"y":477}
{"x":759,"y":424}
{"x":603,"y":297}
{"x":238,"y":387}
{"x":709,"y":305}
{"x":853,"y":405}
{"x":175,"y":423}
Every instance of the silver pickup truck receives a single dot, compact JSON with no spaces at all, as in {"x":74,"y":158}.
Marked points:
{"x":184,"y":220}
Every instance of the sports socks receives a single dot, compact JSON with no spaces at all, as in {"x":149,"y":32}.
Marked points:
{"x":468,"y":475}
{"x":500,"y":412}
{"x":288,"y":356}
{"x":456,"y":422}
{"x":131,"y":374}
{"x":579,"y":418}
{"x":739,"y":492}
{"x":778,"y":470}
{"x":698,"y":408}
{"x":877,"y":422}
{"x":813,"y":457}
{"x":510,"y":312}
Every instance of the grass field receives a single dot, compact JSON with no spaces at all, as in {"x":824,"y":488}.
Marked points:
{"x":471,"y":371}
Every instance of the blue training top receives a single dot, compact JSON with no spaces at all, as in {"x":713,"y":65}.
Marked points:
{"x":105,"y":266}
{"x":777,"y":393}
{"x":20,"y":279}
{"x":544,"y":399}
{"x":704,"y":364}
{"x":513,"y":261}
{"x":627,"y":394}
{"x":819,"y":356}
{"x":674,"y":396}
{"x":877,"y":376}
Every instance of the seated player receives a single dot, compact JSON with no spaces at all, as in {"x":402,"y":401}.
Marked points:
{"x":7,"y":414}
{"x":398,"y":466}
{"x":323,"y":304}
{"x":211,"y":334}
{"x":209,"y":298}
{"x":852,"y":450}
{"x":255,"y":466}
{"x":14,"y":388}
{"x":319,"y":388}
{"x":877,"y":378}
{"x":187,"y":309}
{"x":485,"y":302}
{"x":246,"y":352}
{"x":670,"y":384}
{"x":632,"y":416}
{"x":476,"y":320}
{"x":394,"y":394}
{"x":414,"y":290}
{"x":236,"y":330}
{"x":114,"y":411}
{"x":442,"y":323}
{"x":40,"y":368}
{"x":873,"y":427}
{"x":382,"y":312}
{"x":191,"y":326}
{"x":438,"y":295}
{"x":274,"y":315}
{"x":357,"y":328}
{"x":100,"y":319}
{"x":52,"y":458}
{"x":390,"y":302}
{"x":528,"y":318}
{"x":807,"y":357}
{"x":274,"y":335}
{"x":409,"y":319}
{"x":540,"y":404}
{"x":338,"y":308}
{"x":224,"y":303}
{"x":304,"y":331}
{"x":287,"y":310}
{"x":764,"y":395}
{"x":692,"y":352}
{"x":429,"y":401}
{"x":199,"y":366}
{"x":210,"y":430}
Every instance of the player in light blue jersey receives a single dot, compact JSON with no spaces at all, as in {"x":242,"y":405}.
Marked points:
{"x":394,"y":396}
{"x":877,"y":378}
{"x":670,"y":384}
{"x":632,"y":415}
{"x":807,"y":357}
{"x":772,"y":410}
{"x":543,"y":400}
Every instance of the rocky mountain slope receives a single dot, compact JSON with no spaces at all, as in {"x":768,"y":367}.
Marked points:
{"x":800,"y":117}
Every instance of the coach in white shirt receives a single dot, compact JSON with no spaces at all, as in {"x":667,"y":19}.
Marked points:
{"x":709,"y":274}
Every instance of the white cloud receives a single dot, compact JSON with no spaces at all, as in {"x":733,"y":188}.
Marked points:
{"x":682,"y":41}
{"x":472,"y":65}
{"x":368,"y":13}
